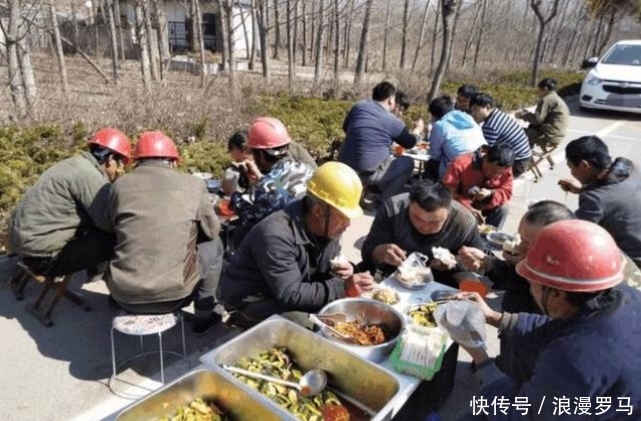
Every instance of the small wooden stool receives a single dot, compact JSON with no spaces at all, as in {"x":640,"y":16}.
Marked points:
{"x":538,"y":157}
{"x":43,"y":306}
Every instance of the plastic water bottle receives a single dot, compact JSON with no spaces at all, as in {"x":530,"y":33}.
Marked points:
{"x":433,"y":416}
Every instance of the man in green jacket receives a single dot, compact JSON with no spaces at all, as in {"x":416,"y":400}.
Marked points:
{"x":549,"y":121}
{"x":62,"y":225}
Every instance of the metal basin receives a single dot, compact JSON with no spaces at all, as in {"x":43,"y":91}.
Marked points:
{"x":233,"y":400}
{"x":370,"y":311}
{"x":362,"y":381}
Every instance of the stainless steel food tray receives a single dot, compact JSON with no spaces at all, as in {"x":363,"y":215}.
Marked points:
{"x":367,"y":383}
{"x":233,"y":400}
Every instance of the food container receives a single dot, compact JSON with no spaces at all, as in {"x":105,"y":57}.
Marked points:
{"x":355,"y":377}
{"x":373,"y":312}
{"x":234,"y":401}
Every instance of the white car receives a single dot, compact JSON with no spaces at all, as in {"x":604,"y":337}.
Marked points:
{"x":614,"y":82}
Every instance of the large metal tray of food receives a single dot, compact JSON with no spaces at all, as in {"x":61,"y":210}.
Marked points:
{"x":361,"y":381}
{"x":235,"y":403}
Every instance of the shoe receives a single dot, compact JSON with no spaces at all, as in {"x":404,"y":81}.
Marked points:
{"x":202,"y":325}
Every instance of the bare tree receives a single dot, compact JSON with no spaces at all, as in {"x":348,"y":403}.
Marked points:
{"x":305,"y":46}
{"x":543,"y":21}
{"x":143,"y":46}
{"x":479,"y":40}
{"x":224,"y":34}
{"x":74,"y":22}
{"x":263,"y":35}
{"x":337,"y":44}
{"x":291,"y":61}
{"x":320,"y":32}
{"x":386,"y":33}
{"x":361,"y":60}
{"x":347,"y":37}
{"x":406,"y":18}
{"x":447,"y":11}
{"x":201,"y":42}
{"x":59,"y":52}
{"x":12,"y":37}
{"x":421,"y":34}
{"x":28,"y":80}
{"x":114,"y":40}
{"x":121,"y":38}
{"x":243,"y":24}
{"x":276,"y":30}
{"x":434,"y":36}
{"x":162,"y":32}
{"x":152,"y":41}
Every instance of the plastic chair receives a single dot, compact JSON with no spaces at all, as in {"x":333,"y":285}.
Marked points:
{"x":143,"y":325}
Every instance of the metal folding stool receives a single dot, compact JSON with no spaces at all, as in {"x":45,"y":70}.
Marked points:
{"x":143,"y":325}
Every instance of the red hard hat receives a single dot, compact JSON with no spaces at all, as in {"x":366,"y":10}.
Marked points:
{"x":112,"y":139}
{"x":267,"y":133}
{"x":573,"y":255}
{"x":155,"y":145}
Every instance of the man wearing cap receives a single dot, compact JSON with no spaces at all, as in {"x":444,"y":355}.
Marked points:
{"x":277,"y":178}
{"x":585,"y":348}
{"x":168,"y":252}
{"x":285,"y":262}
{"x":61,"y":225}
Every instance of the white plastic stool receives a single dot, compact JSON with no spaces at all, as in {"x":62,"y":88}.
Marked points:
{"x":143,"y":325}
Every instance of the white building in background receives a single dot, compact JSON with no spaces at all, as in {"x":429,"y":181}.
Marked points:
{"x":179,"y":24}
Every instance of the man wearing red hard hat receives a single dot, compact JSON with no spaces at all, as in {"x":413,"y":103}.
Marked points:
{"x":61,"y":225}
{"x":167,"y":252}
{"x":585,"y":348}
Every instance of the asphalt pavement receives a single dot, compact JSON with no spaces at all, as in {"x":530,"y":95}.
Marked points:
{"x":62,"y":372}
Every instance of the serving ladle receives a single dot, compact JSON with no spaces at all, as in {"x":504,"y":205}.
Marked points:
{"x":311,"y":384}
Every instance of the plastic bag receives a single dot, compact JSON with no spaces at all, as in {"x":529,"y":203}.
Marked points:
{"x":415,"y":270}
{"x":464,"y":321}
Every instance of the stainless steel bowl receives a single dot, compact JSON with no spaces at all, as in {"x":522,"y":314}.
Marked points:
{"x":371,"y":312}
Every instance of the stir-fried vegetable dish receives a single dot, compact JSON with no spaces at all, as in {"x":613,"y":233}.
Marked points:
{"x":423,"y":314}
{"x":197,"y":410}
{"x":277,"y":363}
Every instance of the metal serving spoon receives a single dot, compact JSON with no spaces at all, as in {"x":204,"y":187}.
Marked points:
{"x":311,"y":384}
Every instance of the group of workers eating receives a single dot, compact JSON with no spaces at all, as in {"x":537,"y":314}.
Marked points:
{"x":571,"y":320}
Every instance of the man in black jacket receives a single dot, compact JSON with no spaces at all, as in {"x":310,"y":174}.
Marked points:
{"x":287,"y":261}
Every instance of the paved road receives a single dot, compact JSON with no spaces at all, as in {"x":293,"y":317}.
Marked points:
{"x":61,"y":373}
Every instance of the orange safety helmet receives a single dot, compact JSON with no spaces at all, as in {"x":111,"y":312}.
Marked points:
{"x":267,"y":133}
{"x":573,"y":255}
{"x":155,"y":144}
{"x":114,"y":140}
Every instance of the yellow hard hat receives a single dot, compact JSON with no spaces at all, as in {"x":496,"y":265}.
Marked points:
{"x":339,"y":186}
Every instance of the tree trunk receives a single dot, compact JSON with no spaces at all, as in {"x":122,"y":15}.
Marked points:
{"x":570,"y":45}
{"x":406,"y":18}
{"x":229,"y":26}
{"x":543,"y":21}
{"x":264,"y":37}
{"x":348,"y":32}
{"x":152,"y":41}
{"x":608,"y":32}
{"x":28,"y":81}
{"x":599,"y":30}
{"x":244,"y":26}
{"x":434,"y":35}
{"x":312,"y":32}
{"x":252,"y":56}
{"x":59,"y":52}
{"x":447,"y":10}
{"x":94,"y":7}
{"x":143,"y":46}
{"x":193,"y":28}
{"x":471,"y":32}
{"x":421,"y":35}
{"x":457,"y":15}
{"x":201,"y":43}
{"x":162,"y":33}
{"x":337,"y":46}
{"x":114,"y":40}
{"x":276,"y":30}
{"x":121,"y":38}
{"x":295,"y":29}
{"x":305,"y":45}
{"x":318,"y":59}
{"x":12,"y":36}
{"x":386,"y":33}
{"x":477,"y":49}
{"x":74,"y":22}
{"x":223,"y":46}
{"x":291,"y":60}
{"x":557,"y":33}
{"x":361,"y":60}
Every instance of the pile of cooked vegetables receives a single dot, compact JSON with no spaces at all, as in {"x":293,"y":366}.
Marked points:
{"x":364,"y":334}
{"x":423,"y":314}
{"x":277,"y":363}
{"x":197,"y":410}
{"x":386,"y":296}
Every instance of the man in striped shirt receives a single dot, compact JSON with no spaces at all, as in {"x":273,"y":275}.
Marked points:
{"x":500,"y":128}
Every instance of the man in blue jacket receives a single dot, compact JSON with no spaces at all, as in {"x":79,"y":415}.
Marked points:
{"x":581,"y":359}
{"x":370,"y":129}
